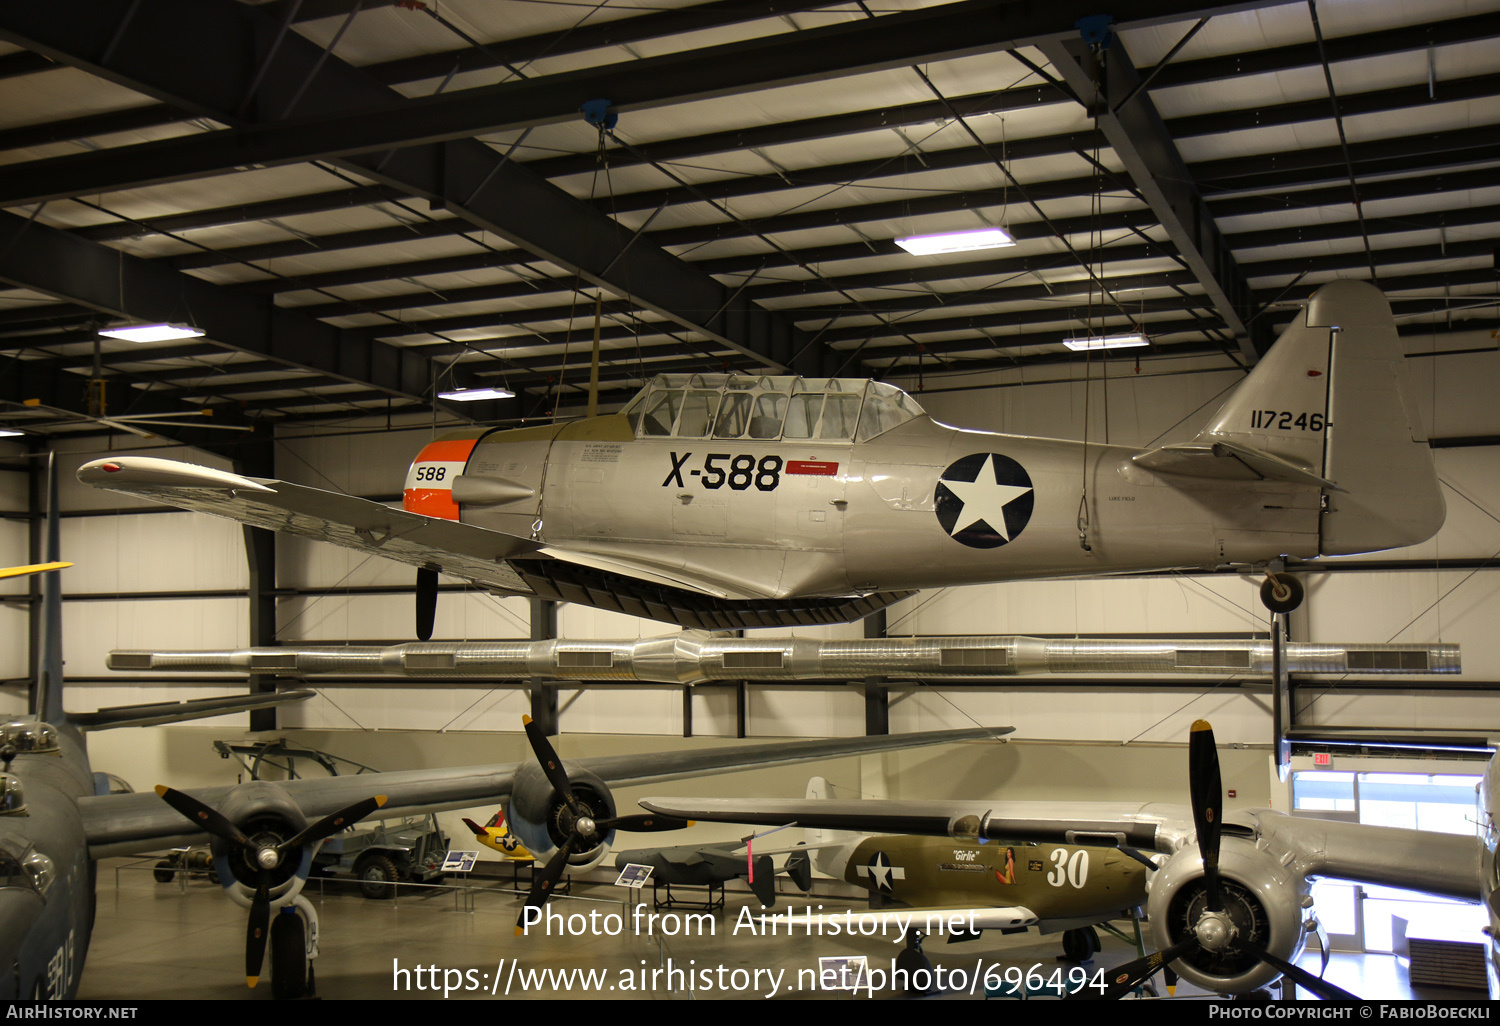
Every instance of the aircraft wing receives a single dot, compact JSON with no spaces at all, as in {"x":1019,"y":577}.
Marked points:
{"x":34,"y":568}
{"x":132,"y":823}
{"x":153,"y":713}
{"x":1435,"y":863}
{"x":462,"y":550}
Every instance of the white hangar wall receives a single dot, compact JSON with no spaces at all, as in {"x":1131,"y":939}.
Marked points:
{"x":126,"y":551}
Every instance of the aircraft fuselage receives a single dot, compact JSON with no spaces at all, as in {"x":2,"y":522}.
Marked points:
{"x":46,"y":916}
{"x":1060,"y":883}
{"x":922,"y":505}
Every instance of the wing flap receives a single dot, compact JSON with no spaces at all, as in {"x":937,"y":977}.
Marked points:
{"x":460,"y":550}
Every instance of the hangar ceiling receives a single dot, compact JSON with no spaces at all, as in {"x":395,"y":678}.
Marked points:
{"x":364,"y":202}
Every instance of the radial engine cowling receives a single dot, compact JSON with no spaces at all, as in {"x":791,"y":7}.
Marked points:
{"x":268,"y":816}
{"x":1264,"y":906}
{"x":538,"y":815}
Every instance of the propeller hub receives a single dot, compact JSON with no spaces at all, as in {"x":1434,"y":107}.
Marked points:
{"x":268,"y":858}
{"x":1215,"y":931}
{"x":585,"y":826}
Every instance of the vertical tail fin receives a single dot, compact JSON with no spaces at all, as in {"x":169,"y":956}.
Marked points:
{"x":1331,"y":398}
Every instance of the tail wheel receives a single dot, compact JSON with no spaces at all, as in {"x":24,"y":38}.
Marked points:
{"x":1281,"y":593}
{"x":288,"y":957}
{"x":377,"y":877}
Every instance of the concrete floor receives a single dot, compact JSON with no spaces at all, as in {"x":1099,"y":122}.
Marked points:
{"x":154,"y":941}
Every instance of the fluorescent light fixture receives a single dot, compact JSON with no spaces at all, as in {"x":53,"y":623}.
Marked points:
{"x":152,"y":332}
{"x":956,"y":242}
{"x":1111,"y":342}
{"x":8,"y":433}
{"x":469,"y":395}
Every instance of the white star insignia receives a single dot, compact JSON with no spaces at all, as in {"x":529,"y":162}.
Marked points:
{"x":882,"y":872}
{"x":983,"y":499}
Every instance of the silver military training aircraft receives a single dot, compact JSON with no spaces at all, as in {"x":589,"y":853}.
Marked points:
{"x":721,"y":501}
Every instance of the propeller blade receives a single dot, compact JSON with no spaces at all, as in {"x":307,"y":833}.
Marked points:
{"x":1322,"y":946}
{"x":1303,"y":978}
{"x":202,"y":816}
{"x":1125,"y":978}
{"x":644,"y":824}
{"x":330,"y":825}
{"x":551,"y":765}
{"x":258,"y":930}
{"x":1208,"y":806}
{"x":541,"y":886}
{"x":427,"y":593}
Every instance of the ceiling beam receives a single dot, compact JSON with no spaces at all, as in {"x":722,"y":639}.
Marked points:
{"x":349,"y":120}
{"x":463,"y":176}
{"x":1106,"y":79}
{"x":35,"y":256}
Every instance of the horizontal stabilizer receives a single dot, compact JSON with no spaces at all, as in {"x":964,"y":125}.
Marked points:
{"x":173,"y":712}
{"x":1229,"y":461}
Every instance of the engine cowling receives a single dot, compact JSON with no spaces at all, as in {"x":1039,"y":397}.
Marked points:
{"x":267,"y":815}
{"x":1265,"y":905}
{"x":538,"y":815}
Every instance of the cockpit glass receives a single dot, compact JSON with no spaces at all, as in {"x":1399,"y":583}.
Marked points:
{"x":886,"y":407}
{"x":697,"y":414}
{"x":765,"y":408}
{"x":21,"y":865}
{"x":661,"y":413}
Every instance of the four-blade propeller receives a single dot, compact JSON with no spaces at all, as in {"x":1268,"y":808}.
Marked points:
{"x":584,"y":831}
{"x":1214,"y":929}
{"x":262,"y":855}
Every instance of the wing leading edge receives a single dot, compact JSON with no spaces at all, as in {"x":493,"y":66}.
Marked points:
{"x":1434,"y":863}
{"x":462,"y":550}
{"x":132,"y":823}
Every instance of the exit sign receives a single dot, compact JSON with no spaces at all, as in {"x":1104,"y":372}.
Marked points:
{"x":1321,"y":759}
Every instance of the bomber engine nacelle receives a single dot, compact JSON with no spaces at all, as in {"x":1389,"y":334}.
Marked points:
{"x":1265,"y":906}
{"x":268,"y":816}
{"x":539,"y":816}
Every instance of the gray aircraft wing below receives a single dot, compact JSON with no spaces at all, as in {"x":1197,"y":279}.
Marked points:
{"x":1435,"y":863}
{"x":132,"y":823}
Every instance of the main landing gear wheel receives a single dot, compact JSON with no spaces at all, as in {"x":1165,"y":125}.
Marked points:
{"x":1281,"y":592}
{"x":289,"y":977}
{"x":1079,"y":945}
{"x":916,"y":966}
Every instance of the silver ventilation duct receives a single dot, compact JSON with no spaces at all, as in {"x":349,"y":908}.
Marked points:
{"x":694,"y":656}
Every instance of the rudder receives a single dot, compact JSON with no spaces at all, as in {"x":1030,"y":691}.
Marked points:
{"x":1331,"y":397}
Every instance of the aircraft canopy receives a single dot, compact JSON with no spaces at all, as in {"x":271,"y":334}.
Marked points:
{"x":768,"y":408}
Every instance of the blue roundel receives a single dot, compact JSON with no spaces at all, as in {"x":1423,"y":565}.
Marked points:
{"x":984,"y":500}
